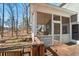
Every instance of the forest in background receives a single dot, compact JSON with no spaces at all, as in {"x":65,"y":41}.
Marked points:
{"x":14,"y":19}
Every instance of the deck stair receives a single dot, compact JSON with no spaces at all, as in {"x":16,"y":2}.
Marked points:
{"x":50,"y":52}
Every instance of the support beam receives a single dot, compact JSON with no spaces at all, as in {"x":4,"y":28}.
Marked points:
{"x":32,"y":18}
{"x":70,"y":29}
{"x":61,"y":29}
{"x":52,"y":30}
{"x":34,"y":24}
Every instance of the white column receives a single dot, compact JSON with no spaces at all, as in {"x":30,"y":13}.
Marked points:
{"x":33,"y":27}
{"x":34,"y":24}
{"x":52,"y":30}
{"x":70,"y":29}
{"x":61,"y":29}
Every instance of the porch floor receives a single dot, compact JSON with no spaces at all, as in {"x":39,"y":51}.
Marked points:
{"x":64,"y":50}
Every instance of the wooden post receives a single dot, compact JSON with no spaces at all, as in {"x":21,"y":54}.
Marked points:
{"x":37,"y":48}
{"x":34,"y":50}
{"x":41,"y":50}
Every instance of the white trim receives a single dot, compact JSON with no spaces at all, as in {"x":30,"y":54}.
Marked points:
{"x":63,"y":9}
{"x":56,"y":21}
{"x":31,"y":21}
{"x":33,"y":17}
{"x":70,"y":29}
{"x":52,"y":29}
{"x":73,"y":23}
{"x":42,"y":7}
{"x":60,"y":35}
{"x":34,"y":24}
{"x":61,"y":29}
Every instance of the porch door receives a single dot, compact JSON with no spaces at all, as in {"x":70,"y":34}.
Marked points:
{"x":75,"y":34}
{"x":57,"y":28}
{"x":57,"y":31}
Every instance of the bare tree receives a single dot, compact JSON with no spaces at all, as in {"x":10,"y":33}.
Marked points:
{"x":11,"y":12}
{"x":25,"y":13}
{"x":2,"y":22}
{"x":0,"y":25}
{"x":16,"y":5}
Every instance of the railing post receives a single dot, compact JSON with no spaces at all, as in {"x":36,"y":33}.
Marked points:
{"x":37,"y":48}
{"x":34,"y":49}
{"x":41,"y":50}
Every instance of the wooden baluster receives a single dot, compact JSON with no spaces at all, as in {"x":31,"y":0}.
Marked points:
{"x":41,"y":50}
{"x":34,"y":50}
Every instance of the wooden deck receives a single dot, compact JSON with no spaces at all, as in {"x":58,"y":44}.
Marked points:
{"x":38,"y":49}
{"x":22,"y":48}
{"x":64,"y":50}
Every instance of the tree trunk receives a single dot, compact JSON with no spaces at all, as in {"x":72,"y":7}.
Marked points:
{"x":17,"y":21}
{"x":13,"y":22}
{"x":2,"y":22}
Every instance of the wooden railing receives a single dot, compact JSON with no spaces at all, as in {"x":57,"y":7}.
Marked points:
{"x":18,"y":50}
{"x":36,"y":49}
{"x":11,"y":53}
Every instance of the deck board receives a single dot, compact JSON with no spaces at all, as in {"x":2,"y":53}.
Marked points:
{"x":65,"y":50}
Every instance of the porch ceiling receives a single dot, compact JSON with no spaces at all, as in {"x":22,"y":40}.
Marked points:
{"x":43,"y":18}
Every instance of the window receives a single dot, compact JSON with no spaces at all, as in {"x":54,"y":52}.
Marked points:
{"x":74,"y":28}
{"x":56,"y":17}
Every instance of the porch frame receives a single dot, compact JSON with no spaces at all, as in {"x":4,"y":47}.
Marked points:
{"x":34,"y":25}
{"x":58,"y":22}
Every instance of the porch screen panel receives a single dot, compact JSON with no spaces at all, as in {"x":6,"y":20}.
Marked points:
{"x":56,"y":17}
{"x":56,"y":31}
{"x":65,"y":25}
{"x":43,"y":23}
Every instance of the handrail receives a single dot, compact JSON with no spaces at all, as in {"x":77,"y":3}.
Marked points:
{"x":37,"y":48}
{"x":38,"y":41}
